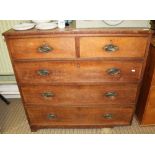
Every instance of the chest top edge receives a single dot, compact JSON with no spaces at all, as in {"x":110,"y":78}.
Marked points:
{"x":79,"y":32}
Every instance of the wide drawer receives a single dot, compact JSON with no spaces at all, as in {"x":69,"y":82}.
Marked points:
{"x":79,"y":95}
{"x":34,"y":48}
{"x":112,"y":46}
{"x":64,"y":116}
{"x":78,"y":71}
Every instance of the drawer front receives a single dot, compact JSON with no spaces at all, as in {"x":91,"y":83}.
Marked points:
{"x":79,"y":95}
{"x":78,"y":71}
{"x":112,"y":46}
{"x":79,"y":116}
{"x":35,"y":48}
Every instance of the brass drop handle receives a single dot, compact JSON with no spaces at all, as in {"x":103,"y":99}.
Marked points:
{"x":51,"y":116}
{"x":108,"y":116}
{"x":113,"y":71}
{"x":45,"y":48}
{"x":111,"y":94}
{"x":48,"y":94}
{"x":43,"y":72}
{"x":111,"y":48}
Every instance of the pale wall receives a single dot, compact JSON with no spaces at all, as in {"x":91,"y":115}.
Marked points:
{"x":5,"y":63}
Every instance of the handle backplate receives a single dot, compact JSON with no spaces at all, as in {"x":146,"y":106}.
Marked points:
{"x":113,"y":71}
{"x":51,"y":116}
{"x":111,"y":94}
{"x":111,"y":48}
{"x":43,"y":72}
{"x":108,"y":116}
{"x":48,"y":94}
{"x":45,"y":48}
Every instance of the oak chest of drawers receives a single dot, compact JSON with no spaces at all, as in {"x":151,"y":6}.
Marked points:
{"x":79,"y":77}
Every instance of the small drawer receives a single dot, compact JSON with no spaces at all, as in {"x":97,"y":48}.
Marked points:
{"x":65,"y":116}
{"x":78,"y":71}
{"x":112,"y":46}
{"x":79,"y":95}
{"x":34,"y":48}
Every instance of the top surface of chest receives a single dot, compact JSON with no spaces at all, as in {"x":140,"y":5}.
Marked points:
{"x":81,"y":32}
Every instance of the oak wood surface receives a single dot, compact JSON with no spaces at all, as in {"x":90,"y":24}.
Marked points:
{"x":79,"y":95}
{"x":151,"y":97}
{"x":149,"y":116}
{"x":79,"y":115}
{"x":77,"y":71}
{"x":74,"y":31}
{"x":128,"y":46}
{"x":145,"y":107}
{"x":62,"y":47}
{"x":153,"y":80}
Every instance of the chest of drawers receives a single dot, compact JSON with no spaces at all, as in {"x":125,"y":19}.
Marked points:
{"x":79,"y":77}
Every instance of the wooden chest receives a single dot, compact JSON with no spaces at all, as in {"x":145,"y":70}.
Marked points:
{"x":146,"y":103}
{"x":79,"y":77}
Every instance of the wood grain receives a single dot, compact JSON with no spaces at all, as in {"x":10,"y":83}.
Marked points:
{"x":128,"y":46}
{"x":78,"y":32}
{"x":77,"y":71}
{"x":79,"y":116}
{"x":146,"y":97}
{"x":151,"y":98}
{"x":79,"y":95}
{"x":149,"y":116}
{"x":28,"y":48}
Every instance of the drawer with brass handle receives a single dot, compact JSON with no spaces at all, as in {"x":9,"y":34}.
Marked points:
{"x":78,"y":71}
{"x":79,"y":116}
{"x":113,"y":47}
{"x":73,"y":95}
{"x":39,"y":48}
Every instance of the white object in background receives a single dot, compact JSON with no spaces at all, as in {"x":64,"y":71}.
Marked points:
{"x":46,"y":26}
{"x":40,"y":21}
{"x":9,"y":91}
{"x":112,"y":22}
{"x":23,"y":26}
{"x":61,"y":24}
